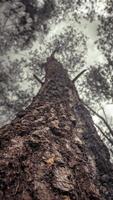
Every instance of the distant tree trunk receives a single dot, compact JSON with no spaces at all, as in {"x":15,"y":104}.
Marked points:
{"x":51,"y":151}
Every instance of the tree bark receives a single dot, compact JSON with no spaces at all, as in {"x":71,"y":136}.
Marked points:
{"x":51,"y":151}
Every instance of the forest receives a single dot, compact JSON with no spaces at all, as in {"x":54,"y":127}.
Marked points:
{"x":56,"y":107}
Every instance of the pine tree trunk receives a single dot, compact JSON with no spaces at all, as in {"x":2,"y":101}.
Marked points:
{"x":51,"y":151}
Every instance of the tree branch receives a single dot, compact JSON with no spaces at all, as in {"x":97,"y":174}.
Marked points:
{"x":36,"y":77}
{"x":102,"y":118}
{"x":78,"y":75}
{"x":105,"y":135}
{"x":104,"y":112}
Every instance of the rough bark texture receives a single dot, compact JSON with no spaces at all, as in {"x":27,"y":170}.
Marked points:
{"x":51,"y":151}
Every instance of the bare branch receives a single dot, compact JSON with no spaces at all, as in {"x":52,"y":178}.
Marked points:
{"x":38,"y":79}
{"x":102,"y":118}
{"x":78,"y":75}
{"x":104,"y":113}
{"x":105,"y":135}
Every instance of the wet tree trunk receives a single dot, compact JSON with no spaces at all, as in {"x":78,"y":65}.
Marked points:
{"x":51,"y":151}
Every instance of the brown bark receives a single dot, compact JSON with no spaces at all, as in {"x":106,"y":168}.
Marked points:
{"x":51,"y":151}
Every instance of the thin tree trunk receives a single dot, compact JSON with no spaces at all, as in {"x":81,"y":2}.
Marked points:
{"x":51,"y":151}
